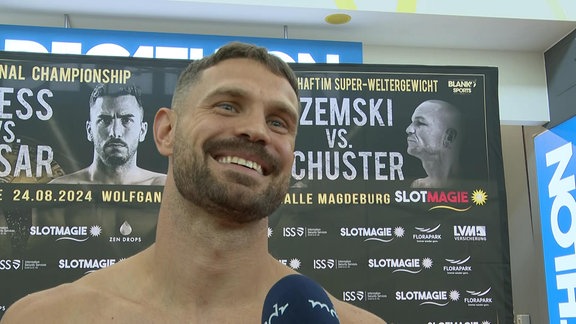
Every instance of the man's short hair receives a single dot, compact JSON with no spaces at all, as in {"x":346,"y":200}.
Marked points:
{"x":232,"y":50}
{"x":112,"y":90}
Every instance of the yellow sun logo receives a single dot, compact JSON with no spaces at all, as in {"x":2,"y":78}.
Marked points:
{"x":479,"y":197}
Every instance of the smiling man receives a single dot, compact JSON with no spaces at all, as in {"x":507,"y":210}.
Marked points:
{"x":435,"y":137}
{"x":229,"y":138}
{"x":115,"y":128}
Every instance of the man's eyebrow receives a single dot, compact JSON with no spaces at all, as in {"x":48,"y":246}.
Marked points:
{"x":235,"y":92}
{"x":115,"y":115}
{"x":289,"y":110}
{"x":227,"y":91}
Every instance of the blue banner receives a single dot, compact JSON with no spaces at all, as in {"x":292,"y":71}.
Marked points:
{"x":556,"y":166}
{"x":165,"y":45}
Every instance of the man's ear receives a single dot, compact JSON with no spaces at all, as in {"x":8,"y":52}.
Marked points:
{"x":449,"y":137}
{"x":89,"y":131}
{"x":164,"y":123}
{"x":143,"y":131}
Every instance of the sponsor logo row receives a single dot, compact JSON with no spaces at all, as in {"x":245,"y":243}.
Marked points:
{"x":79,"y":233}
{"x":432,"y":298}
{"x":381,"y":234}
{"x":391,"y":265}
{"x":474,"y":233}
{"x":460,"y":267}
{"x":85,"y":264}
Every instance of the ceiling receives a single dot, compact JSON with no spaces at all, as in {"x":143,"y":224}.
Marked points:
{"x":368,"y":27}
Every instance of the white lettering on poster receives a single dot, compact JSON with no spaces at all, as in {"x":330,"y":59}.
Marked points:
{"x":18,"y":159}
{"x":559,"y":189}
{"x":164,"y":52}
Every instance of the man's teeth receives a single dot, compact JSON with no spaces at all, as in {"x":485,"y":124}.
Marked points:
{"x":240,"y":161}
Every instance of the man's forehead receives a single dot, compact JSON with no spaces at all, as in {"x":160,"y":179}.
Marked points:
{"x":218,"y":78}
{"x":428,"y":110}
{"x":223,"y":67}
{"x":123,"y":99}
{"x":120,"y":103}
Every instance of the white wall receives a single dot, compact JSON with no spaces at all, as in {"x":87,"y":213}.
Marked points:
{"x":522,"y":80}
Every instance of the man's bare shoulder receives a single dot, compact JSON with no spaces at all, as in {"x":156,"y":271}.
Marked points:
{"x":78,"y":177}
{"x":95,"y":298}
{"x":420,"y":183}
{"x":151,"y":178}
{"x":350,"y":314}
{"x":106,"y":295}
{"x":62,"y":304}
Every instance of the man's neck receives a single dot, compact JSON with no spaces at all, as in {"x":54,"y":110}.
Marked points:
{"x":121,"y":174}
{"x":207,"y":262}
{"x":439,"y":167}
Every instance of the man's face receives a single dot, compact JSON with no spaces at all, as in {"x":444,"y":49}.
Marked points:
{"x":234,"y":140}
{"x":427,"y":130}
{"x":115,"y":127}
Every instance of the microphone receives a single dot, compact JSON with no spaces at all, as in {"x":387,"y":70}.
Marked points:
{"x":298,"y":299}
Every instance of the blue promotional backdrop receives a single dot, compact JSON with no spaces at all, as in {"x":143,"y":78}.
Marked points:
{"x":165,"y":45}
{"x":556,"y":168}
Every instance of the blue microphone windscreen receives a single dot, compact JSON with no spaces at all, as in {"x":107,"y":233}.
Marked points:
{"x":298,"y":299}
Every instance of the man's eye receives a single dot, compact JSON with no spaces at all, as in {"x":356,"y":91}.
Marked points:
{"x":105,"y":121}
{"x":126,"y":120}
{"x":277,"y":123}
{"x":226,"y":106}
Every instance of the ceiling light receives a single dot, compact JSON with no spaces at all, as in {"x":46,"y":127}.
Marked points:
{"x":338,"y":19}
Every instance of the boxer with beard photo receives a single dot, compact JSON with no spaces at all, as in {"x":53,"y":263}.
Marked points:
{"x":115,"y":128}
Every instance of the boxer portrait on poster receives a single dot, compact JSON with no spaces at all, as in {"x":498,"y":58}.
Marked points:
{"x":115,"y":128}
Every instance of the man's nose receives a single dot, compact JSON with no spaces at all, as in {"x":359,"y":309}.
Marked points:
{"x":116,"y":129}
{"x":410,"y":129}
{"x":254,"y":127}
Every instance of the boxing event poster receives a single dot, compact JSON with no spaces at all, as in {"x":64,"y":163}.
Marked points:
{"x":352,"y":219}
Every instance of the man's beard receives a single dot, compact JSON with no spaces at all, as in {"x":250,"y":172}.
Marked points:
{"x":118,"y":156}
{"x":196,"y":182}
